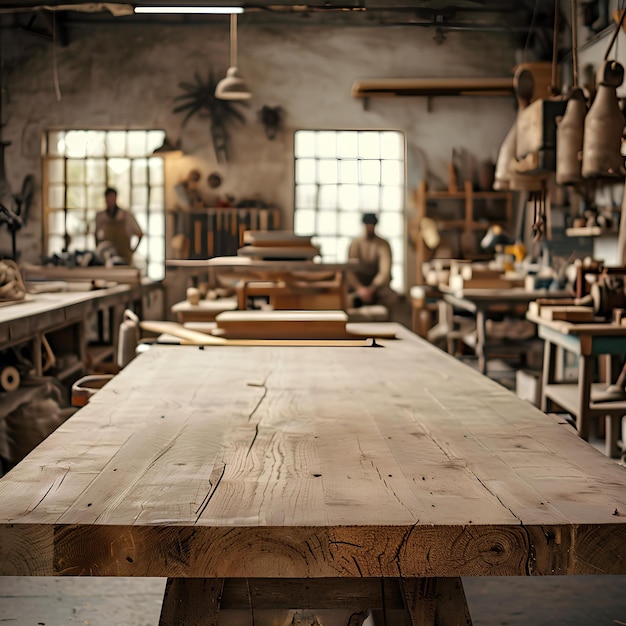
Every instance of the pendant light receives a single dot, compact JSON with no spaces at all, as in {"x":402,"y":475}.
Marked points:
{"x":232,"y":87}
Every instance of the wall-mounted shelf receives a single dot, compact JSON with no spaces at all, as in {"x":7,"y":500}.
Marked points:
{"x":394,"y":87}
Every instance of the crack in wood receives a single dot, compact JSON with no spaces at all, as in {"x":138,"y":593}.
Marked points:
{"x":212,"y":488}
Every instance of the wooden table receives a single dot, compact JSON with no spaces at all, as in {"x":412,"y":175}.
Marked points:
{"x":344,"y":478}
{"x":482,"y":302}
{"x":587,"y":341}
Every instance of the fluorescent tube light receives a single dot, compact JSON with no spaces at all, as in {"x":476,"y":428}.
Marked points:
{"x":189,"y":9}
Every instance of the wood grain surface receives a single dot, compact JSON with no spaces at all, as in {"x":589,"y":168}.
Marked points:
{"x":271,"y":462}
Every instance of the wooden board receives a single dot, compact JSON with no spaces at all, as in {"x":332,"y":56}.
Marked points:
{"x":567,"y":313}
{"x":282,"y":325}
{"x":275,"y":238}
{"x":279,"y":252}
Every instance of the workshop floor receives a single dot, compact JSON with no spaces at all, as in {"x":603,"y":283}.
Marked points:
{"x":562,"y":600}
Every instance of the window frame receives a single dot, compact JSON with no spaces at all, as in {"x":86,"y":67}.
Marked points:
{"x":399,"y":237}
{"x":152,"y":267}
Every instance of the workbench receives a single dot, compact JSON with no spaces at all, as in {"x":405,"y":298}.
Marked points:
{"x":484,"y":302}
{"x":259,"y":478}
{"x":587,"y":341}
{"x":37,"y":316}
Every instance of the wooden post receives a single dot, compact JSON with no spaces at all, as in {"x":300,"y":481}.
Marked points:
{"x":191,"y":602}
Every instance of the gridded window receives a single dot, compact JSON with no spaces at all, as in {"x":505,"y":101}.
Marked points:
{"x":80,"y":165}
{"x":339,"y":176}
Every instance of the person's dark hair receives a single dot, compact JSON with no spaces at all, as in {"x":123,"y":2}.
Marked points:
{"x":370,"y":218}
{"x":109,"y":190}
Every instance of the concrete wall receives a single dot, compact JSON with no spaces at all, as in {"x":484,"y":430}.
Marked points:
{"x":127,"y":76}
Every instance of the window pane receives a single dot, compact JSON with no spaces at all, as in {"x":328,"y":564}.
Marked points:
{"x":76,"y":143}
{"x":327,"y":223}
{"x":343,"y":245}
{"x":56,"y":143}
{"x":391,"y":145}
{"x":306,"y":197}
{"x":140,"y":171}
{"x":369,"y":172}
{"x":116,"y":143}
{"x":139,"y":198}
{"x":392,"y":173}
{"x":391,"y":223}
{"x":349,"y":172}
{"x":348,"y":199}
{"x":156,"y":271}
{"x":77,"y":242}
{"x":369,"y":145}
{"x":392,"y":198}
{"x":118,"y":175}
{"x":55,"y":244}
{"x":157,"y":171}
{"x":368,"y":198}
{"x":136,"y":143}
{"x":157,"y":198}
{"x":304,"y":143}
{"x":154,"y":140}
{"x":397,"y":249}
{"x":327,"y":197}
{"x":56,"y":222}
{"x":56,"y":196}
{"x":75,"y":223}
{"x":76,"y":171}
{"x":347,"y":145}
{"x":350,"y":223}
{"x":56,"y":171}
{"x":155,"y":247}
{"x":305,"y":171}
{"x":96,"y":171}
{"x":304,"y":222}
{"x":326,"y":144}
{"x":76,"y":197}
{"x":327,"y":171}
{"x":157,"y":225}
{"x":95,"y":197}
{"x":142,"y":220}
{"x":96,"y":143}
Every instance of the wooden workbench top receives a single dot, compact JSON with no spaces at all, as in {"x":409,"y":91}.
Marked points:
{"x":309,"y":462}
{"x":596,"y":329}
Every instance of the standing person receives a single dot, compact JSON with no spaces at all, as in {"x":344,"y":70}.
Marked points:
{"x":118,"y":227}
{"x":370,"y":282}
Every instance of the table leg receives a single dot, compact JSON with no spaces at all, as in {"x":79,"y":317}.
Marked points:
{"x":436,"y":602}
{"x":481,"y":341}
{"x":191,"y":602}
{"x":585,"y":376}
{"x":548,"y":373}
{"x":612,"y":434}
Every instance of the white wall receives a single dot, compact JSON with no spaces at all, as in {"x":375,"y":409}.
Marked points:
{"x":127,"y":76}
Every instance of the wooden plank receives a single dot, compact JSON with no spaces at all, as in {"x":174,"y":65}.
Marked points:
{"x":567,"y":313}
{"x":431,"y":602}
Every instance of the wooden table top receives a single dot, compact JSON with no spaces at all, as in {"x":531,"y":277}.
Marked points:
{"x":236,"y":263}
{"x":596,"y":329}
{"x":311,"y":462}
{"x":495,"y":296}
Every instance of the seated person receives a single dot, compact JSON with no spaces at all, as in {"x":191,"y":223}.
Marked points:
{"x":369,"y":282}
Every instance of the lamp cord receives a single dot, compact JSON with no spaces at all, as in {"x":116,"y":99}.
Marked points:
{"x":233,"y":40}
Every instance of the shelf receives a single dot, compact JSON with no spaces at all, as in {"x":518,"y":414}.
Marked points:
{"x":566,"y":395}
{"x":585,"y":231}
{"x":100,"y":354}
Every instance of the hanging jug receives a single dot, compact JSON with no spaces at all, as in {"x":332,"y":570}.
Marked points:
{"x":569,"y":140}
{"x":604,"y":125}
